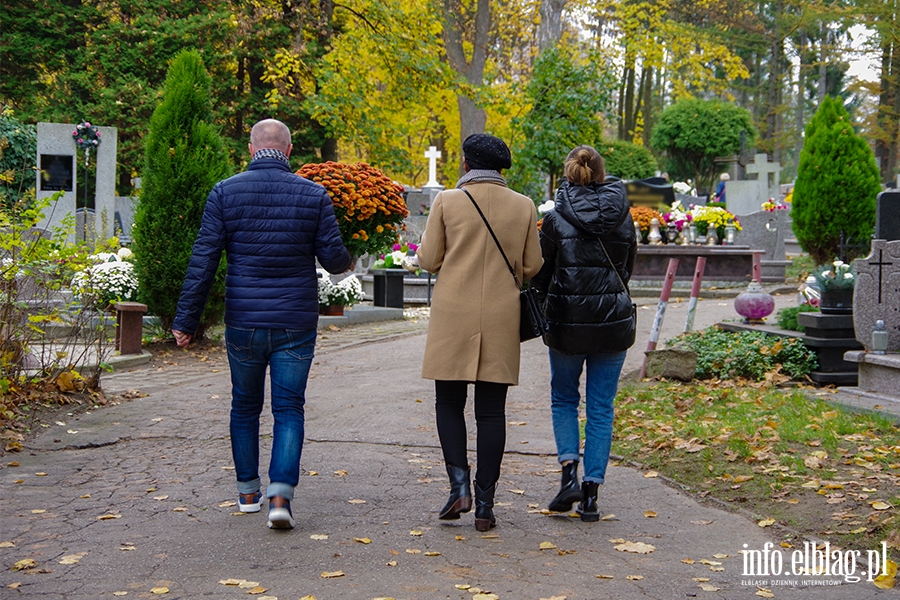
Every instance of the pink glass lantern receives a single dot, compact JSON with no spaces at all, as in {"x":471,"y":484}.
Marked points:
{"x":754,"y":304}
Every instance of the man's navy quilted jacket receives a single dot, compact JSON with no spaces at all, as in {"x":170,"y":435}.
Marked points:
{"x":272,"y":225}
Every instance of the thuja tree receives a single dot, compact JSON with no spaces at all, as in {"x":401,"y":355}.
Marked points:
{"x":836,"y":186}
{"x":184,"y":158}
{"x":18,"y":147}
{"x":693,"y":133}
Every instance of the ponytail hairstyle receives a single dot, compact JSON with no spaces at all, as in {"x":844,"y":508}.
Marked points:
{"x":584,"y":165}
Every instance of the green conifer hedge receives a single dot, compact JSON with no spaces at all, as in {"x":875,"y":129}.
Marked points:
{"x":184,"y":158}
{"x":837,"y":182}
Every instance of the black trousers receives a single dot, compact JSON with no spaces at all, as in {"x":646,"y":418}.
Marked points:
{"x":490,"y":419}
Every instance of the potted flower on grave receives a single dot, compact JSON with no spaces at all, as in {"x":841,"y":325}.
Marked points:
{"x":642,"y":217}
{"x":109,"y":280}
{"x":402,"y":256}
{"x":835,"y":283}
{"x":369,"y":207}
{"x":715,"y":217}
{"x":334,"y":297}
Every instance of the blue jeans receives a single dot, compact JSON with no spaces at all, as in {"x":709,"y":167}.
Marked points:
{"x":603,"y":372}
{"x":288,"y":354}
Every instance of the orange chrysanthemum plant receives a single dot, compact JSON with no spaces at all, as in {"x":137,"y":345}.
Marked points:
{"x":369,"y":206}
{"x":642,"y":215}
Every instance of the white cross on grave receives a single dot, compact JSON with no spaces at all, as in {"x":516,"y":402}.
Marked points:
{"x":767,"y":175}
{"x":432,"y":155}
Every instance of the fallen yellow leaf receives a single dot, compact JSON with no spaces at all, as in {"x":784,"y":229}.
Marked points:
{"x":38,"y":511}
{"x":72,"y":559}
{"x":256,"y":591}
{"x":356,"y":501}
{"x":743,"y":478}
{"x":340,"y":473}
{"x":432,"y":553}
{"x":609,"y":517}
{"x":120,"y":593}
{"x":688,"y":561}
{"x":603,"y":576}
{"x":649,"y":514}
{"x":462,"y":586}
{"x":362,"y":540}
{"x":415,"y":532}
{"x":879,"y":505}
{"x":460,"y":538}
{"x":160,"y":590}
{"x":319,"y":536}
{"x":651,"y":474}
{"x":413,"y":551}
{"x":7,"y":545}
{"x":547,"y":545}
{"x":391,"y":563}
{"x":721,"y":555}
{"x":885,"y":581}
{"x":25,"y":563}
{"x":635,"y":547}
{"x":708,"y":587}
{"x":107,"y":517}
{"x":485,"y":597}
{"x":766,"y":522}
{"x":634,"y":577}
{"x":764,"y":593}
{"x":308,"y":597}
{"x":232,"y":581}
{"x":332,"y":574}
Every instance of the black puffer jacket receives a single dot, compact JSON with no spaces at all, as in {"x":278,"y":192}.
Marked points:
{"x":587,"y":305}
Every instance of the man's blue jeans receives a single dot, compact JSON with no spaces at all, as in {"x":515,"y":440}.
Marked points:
{"x":288,"y":355}
{"x":602,"y":382}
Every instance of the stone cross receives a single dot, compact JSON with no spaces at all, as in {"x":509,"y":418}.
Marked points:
{"x":768,"y":173}
{"x":876,"y":295}
{"x":432,"y":155}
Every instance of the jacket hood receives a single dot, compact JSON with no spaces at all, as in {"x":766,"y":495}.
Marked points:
{"x":596,"y":208}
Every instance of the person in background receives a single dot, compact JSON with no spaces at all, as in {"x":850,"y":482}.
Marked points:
{"x":720,"y":190}
{"x":473,"y":331}
{"x":589,"y":246}
{"x":273,"y":225}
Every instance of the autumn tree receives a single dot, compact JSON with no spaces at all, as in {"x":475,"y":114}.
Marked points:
{"x":693,"y":133}
{"x":185,"y":157}
{"x":836,"y":185}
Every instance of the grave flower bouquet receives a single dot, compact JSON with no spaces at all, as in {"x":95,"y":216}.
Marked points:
{"x":772,"y":205}
{"x":346,"y":292}
{"x":86,"y":136}
{"x":677,"y":215}
{"x":369,"y":206}
{"x":837,"y":276}
{"x":399,"y":258}
{"x":716,"y":217}
{"x":109,"y":280}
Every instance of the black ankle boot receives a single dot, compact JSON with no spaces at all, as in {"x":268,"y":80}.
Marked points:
{"x":460,"y":494}
{"x":587,"y":508}
{"x":484,"y":507}
{"x":569,"y":490}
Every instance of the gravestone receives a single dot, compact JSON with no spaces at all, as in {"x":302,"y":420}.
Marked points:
{"x":877,"y":293}
{"x":653,"y":192}
{"x":767,"y":231}
{"x":57,"y":153}
{"x":746,"y":196}
{"x":887,"y":216}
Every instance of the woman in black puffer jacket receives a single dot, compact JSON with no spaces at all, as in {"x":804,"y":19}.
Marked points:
{"x":589,"y":246}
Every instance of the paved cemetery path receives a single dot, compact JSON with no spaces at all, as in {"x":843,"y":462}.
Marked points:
{"x":137,"y":498}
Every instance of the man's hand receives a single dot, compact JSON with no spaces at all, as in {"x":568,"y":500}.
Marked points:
{"x":181,"y":338}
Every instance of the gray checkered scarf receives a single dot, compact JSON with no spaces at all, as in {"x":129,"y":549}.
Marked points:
{"x":271,"y":153}
{"x":480,"y":176}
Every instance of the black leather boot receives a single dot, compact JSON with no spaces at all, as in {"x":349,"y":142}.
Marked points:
{"x":587,"y":508}
{"x":484,"y":507}
{"x":569,"y":490}
{"x":460,"y":494}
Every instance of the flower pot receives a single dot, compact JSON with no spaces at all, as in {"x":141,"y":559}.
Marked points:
{"x":836,"y":302}
{"x":332,"y":310}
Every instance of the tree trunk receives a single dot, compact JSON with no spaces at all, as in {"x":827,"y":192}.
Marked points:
{"x":647,"y":109}
{"x":801,"y":100}
{"x":472,"y":118}
{"x":823,"y":60}
{"x":551,"y":23}
{"x":628,"y":116}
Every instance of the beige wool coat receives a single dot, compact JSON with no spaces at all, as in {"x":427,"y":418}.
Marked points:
{"x":473,"y":331}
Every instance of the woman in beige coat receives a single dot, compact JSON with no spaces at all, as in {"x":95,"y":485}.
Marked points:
{"x":473,"y":332}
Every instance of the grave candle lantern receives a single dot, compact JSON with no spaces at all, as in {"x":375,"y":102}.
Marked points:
{"x":754,"y":304}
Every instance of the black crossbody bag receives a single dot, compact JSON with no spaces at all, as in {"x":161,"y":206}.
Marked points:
{"x":532,"y":321}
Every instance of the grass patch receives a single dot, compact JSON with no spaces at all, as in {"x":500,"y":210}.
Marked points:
{"x":825,"y":471}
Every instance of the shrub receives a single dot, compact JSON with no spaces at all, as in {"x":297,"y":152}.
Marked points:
{"x":837,"y":182}
{"x":751,"y":354}
{"x":18,"y":149}
{"x":184,"y":160}
{"x":693,"y":133}
{"x":627,"y":160}
{"x":787,"y":317}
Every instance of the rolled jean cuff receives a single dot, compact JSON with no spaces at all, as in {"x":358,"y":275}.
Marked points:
{"x":597,"y":480}
{"x":564,"y":457}
{"x":285,"y":490}
{"x":248,"y":487}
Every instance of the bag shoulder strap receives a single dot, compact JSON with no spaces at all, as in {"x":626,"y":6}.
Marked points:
{"x":493,"y":235}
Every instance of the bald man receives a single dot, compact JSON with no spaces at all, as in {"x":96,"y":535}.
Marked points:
{"x":272,"y":225}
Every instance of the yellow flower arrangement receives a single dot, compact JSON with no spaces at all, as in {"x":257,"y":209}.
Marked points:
{"x":369,"y":206}
{"x":716,"y":217}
